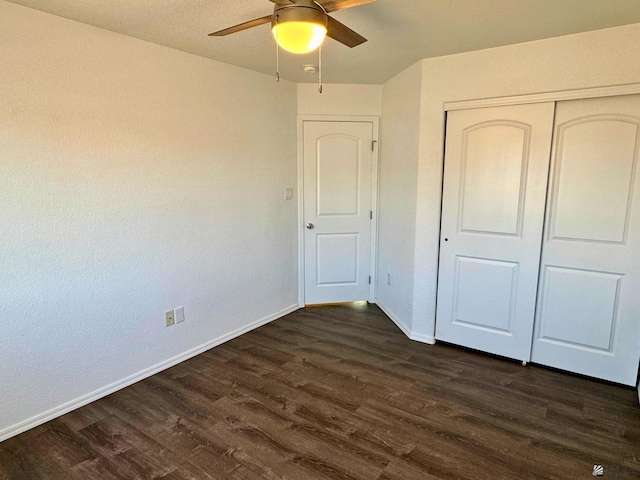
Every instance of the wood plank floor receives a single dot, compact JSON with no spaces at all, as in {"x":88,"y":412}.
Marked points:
{"x":338,"y":392}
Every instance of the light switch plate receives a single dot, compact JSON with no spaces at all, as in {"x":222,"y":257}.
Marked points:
{"x":288,"y":193}
{"x":179,"y":314}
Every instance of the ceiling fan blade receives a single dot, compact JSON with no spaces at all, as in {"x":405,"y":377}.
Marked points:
{"x":242,"y":26}
{"x":343,"y":34}
{"x":335,"y":5}
{"x":283,"y":2}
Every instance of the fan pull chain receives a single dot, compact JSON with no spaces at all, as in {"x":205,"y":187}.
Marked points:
{"x":277,"y":53}
{"x":320,"y":69}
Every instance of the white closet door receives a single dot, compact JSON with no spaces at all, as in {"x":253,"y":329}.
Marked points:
{"x":495,"y":181}
{"x":588,"y":314}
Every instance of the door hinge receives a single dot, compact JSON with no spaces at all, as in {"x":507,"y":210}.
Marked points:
{"x":370,"y":214}
{"x":369,"y":279}
{"x":373,"y":144}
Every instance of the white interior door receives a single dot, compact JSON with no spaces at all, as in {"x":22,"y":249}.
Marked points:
{"x":588,"y":315}
{"x":337,"y":210}
{"x":496,"y":169}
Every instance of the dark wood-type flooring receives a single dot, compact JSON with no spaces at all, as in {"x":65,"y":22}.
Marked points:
{"x":338,"y":392}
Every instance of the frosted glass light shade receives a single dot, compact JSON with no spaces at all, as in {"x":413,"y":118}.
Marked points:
{"x":299,"y":37}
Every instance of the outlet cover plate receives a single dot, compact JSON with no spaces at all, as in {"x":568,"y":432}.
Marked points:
{"x":179,"y":314}
{"x":169,"y":317}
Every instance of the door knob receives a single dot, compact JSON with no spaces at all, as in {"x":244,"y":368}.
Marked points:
{"x":310,"y":226}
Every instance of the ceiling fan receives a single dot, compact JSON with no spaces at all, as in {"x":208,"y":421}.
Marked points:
{"x":300,"y":26}
{"x":304,"y":13}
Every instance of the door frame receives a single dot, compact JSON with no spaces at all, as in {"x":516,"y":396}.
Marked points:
{"x":375,"y":123}
{"x":555,"y":96}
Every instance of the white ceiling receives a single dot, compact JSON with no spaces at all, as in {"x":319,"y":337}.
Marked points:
{"x":400,"y":32}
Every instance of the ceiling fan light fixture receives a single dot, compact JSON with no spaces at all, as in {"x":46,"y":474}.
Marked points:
{"x":299,"y":29}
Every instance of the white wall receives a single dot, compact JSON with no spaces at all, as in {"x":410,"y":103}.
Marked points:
{"x":595,"y":59}
{"x":339,"y":99}
{"x":135,"y":179}
{"x":399,"y":149}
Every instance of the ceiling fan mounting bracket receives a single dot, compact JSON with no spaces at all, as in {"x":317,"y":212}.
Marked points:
{"x":299,"y":12}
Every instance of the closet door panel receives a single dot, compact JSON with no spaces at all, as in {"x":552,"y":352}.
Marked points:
{"x":588,"y":313}
{"x":572,"y":294}
{"x":485,"y":164}
{"x":586,"y":207}
{"x":496,"y":169}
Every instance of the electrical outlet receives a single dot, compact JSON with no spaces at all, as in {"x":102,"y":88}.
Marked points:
{"x":179,"y":314}
{"x":170,"y":318}
{"x":388,"y":279}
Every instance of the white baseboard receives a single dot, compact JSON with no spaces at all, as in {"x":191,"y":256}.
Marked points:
{"x":136,"y":377}
{"x":418,"y":337}
{"x":405,"y":329}
{"x":399,"y":323}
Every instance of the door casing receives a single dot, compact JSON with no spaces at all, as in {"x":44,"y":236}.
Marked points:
{"x":375,"y":121}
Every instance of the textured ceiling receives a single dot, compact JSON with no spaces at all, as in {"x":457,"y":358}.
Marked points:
{"x":400,"y":32}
